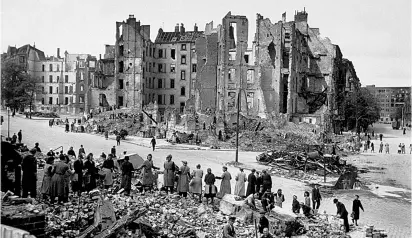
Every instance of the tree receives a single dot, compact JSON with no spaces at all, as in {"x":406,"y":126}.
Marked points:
{"x":361,"y":109}
{"x":18,"y":87}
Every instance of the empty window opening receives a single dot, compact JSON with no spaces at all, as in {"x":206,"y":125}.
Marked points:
{"x":183,"y":61}
{"x":183,"y":75}
{"x":194,"y":68}
{"x":172,"y":99}
{"x":172,"y":68}
{"x":183,"y":47}
{"x":160,"y":67}
{"x":172,"y":83}
{"x":66,"y":78}
{"x":120,"y":66}
{"x":50,"y":89}
{"x":160,"y":53}
{"x":121,"y":50}
{"x":120,"y":83}
{"x":173,"y":53}
{"x":66,"y":89}
{"x":246,"y":59}
{"x":42,"y":68}
{"x":120,"y":101}
{"x":50,"y":67}
{"x":232,"y":35}
{"x":182,"y":107}
{"x":182,"y":91}
{"x":50,"y":100}
{"x":272,"y":53}
{"x":66,"y":100}
{"x":58,"y":68}
{"x":159,"y":83}
{"x":57,"y":79}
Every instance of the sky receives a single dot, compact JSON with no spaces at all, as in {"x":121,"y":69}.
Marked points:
{"x":374,"y":34}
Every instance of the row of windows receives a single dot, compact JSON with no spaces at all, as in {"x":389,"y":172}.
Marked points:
{"x":161,"y":53}
{"x":66,"y":79}
{"x":66,"y":89}
{"x":161,"y":67}
{"x":66,"y":100}
{"x":182,"y":93}
{"x":50,"y":67}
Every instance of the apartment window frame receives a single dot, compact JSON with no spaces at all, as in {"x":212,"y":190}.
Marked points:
{"x":183,"y":59}
{"x":50,"y":89}
{"x":50,"y":78}
{"x":194,"y":68}
{"x":66,"y":78}
{"x":172,"y":83}
{"x":183,"y":75}
{"x":159,"y":83}
{"x":51,"y":67}
{"x":172,"y":68}
{"x":182,"y":91}
{"x":183,"y":47}
{"x":172,"y":99}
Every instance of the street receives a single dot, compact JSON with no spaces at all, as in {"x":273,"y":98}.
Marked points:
{"x":391,"y":213}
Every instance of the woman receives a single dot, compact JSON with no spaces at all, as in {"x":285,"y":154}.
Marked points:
{"x":225,"y":185}
{"x":91,"y":172}
{"x":46,"y":184}
{"x":148,"y":173}
{"x":59,"y":188}
{"x":77,"y":180}
{"x":184,"y":178}
{"x":307,"y":198}
{"x":68,"y":173}
{"x":169,"y":174}
{"x":259,"y":182}
{"x":210,"y":188}
{"x":251,"y":185}
{"x":240,"y":184}
{"x":279,"y":198}
{"x":355,"y":209}
{"x":196,"y":183}
{"x":295,"y":205}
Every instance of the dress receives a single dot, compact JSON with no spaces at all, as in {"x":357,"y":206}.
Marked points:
{"x":169,"y":174}
{"x":225,"y":185}
{"x":59,"y":188}
{"x":240,"y":184}
{"x":279,"y":199}
{"x":196,"y":183}
{"x":148,"y":173}
{"x":91,"y":172}
{"x":127,"y":171}
{"x":266,"y":182}
{"x":46,"y":184}
{"x":251,"y":184}
{"x":184,"y":177}
{"x":355,"y":208}
{"x":77,"y":186}
{"x":210,"y":188}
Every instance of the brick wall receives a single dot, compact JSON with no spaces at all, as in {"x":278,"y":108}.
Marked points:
{"x":35,"y":224}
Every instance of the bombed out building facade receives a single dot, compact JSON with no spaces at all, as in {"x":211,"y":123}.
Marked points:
{"x":289,"y":69}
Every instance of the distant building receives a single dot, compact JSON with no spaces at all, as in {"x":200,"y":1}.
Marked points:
{"x":391,"y":98}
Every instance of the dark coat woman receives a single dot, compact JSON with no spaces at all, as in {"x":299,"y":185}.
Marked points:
{"x":59,"y":186}
{"x":355,"y":209}
{"x":91,"y":172}
{"x":127,"y":173}
{"x":210,"y":188}
{"x":29,"y":167}
{"x":251,"y":183}
{"x":259,"y":182}
{"x":46,"y":184}
{"x":77,"y":186}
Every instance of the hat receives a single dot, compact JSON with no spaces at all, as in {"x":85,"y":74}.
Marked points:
{"x":51,"y":148}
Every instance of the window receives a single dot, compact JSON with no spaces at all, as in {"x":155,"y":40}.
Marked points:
{"x":246,"y":59}
{"x":50,"y":78}
{"x":183,"y":75}
{"x":81,"y":99}
{"x":183,"y":47}
{"x":183,"y":59}
{"x":57,"y":101}
{"x":173,"y":53}
{"x":160,"y":68}
{"x":172,"y":99}
{"x":50,"y":100}
{"x":231,"y":74}
{"x":120,"y":83}
{"x":66,"y":101}
{"x":150,"y":83}
{"x":121,"y":67}
{"x":194,"y":68}
{"x":57,"y":90}
{"x":182,"y":107}
{"x":42,"y":68}
{"x":57,"y":79}
{"x":172,"y":83}
{"x":58,"y":68}
{"x":66,"y":78}
{"x":182,"y":91}
{"x":50,"y":89}
{"x":159,"y":99}
{"x":42,"y":89}
{"x":160,"y":53}
{"x":159,"y":83}
{"x":66,"y":89}
{"x":42,"y":101}
{"x":21,"y":59}
{"x":172,"y":68}
{"x":120,"y":101}
{"x":50,"y":67}
{"x":81,"y":88}
{"x":250,"y":75}
{"x":42,"y":79}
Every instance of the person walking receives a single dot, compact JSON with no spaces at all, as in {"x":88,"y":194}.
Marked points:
{"x":118,"y":139}
{"x":266,"y":181}
{"x":229,"y":229}
{"x":355,"y":209}
{"x":169,"y":174}
{"x":381,"y":147}
{"x":316,"y":197}
{"x":240,"y":183}
{"x":46,"y":183}
{"x":91,"y":173}
{"x":81,"y":150}
{"x":77,"y":179}
{"x":148,"y":173}
{"x":225,"y":184}
{"x":386,"y":148}
{"x":251,"y":183}
{"x":29,"y":180}
{"x":106,"y":134}
{"x":399,"y":148}
{"x":127,"y":173}
{"x":183,"y":181}
{"x":153,"y":143}
{"x":403,"y":148}
{"x":342,"y":213}
{"x":196,"y":183}
{"x":380,"y":137}
{"x":263,"y":222}
{"x":67,"y":127}
{"x":404,"y":130}
{"x":210,"y":188}
{"x":20,"y":136}
{"x":113,"y":151}
{"x":279,"y":198}
{"x":372,"y":148}
{"x":59,"y":188}
{"x":259,"y":182}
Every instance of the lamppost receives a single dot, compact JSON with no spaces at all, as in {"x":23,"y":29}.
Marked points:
{"x":238,"y":104}
{"x":8,"y":122}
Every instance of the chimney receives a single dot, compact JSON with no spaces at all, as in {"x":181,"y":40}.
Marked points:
{"x":100,"y":56}
{"x":195,"y":28}
{"x":177,"y":27}
{"x":58,"y":53}
{"x":131,"y":16}
{"x":182,"y":29}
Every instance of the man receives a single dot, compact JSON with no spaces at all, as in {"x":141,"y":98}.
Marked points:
{"x":51,"y":152}
{"x":259,"y":183}
{"x":29,"y":181}
{"x":342,"y":213}
{"x":229,"y":229}
{"x":268,"y":200}
{"x":279,"y":198}
{"x":316,"y":197}
{"x":118,"y":139}
{"x":14,"y":139}
{"x":266,"y":181}
{"x":113,"y":151}
{"x":127,"y":172}
{"x":380,"y":137}
{"x":251,"y":183}
{"x":263,"y":222}
{"x":81,"y":150}
{"x":169,"y":174}
{"x":36,"y":146}
{"x":153,"y":142}
{"x":266,"y":233}
{"x":20,"y":136}
{"x":381,"y":147}
{"x":71,"y":152}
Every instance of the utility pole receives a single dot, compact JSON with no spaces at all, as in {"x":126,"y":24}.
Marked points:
{"x":238,"y":105}
{"x":8,"y":122}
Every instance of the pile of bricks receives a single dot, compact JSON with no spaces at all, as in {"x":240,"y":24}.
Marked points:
{"x":371,"y":232}
{"x":35,"y":224}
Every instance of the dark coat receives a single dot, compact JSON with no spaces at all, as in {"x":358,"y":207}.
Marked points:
{"x":29,"y":167}
{"x":263,"y":223}
{"x":71,"y":152}
{"x":355,"y":208}
{"x":342,"y":212}
{"x":153,"y":141}
{"x":266,"y":181}
{"x":316,"y":195}
{"x":81,"y":150}
{"x":251,"y":185}
{"x":20,"y":135}
{"x":259,"y":182}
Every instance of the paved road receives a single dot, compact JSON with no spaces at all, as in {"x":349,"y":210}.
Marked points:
{"x":387,"y":213}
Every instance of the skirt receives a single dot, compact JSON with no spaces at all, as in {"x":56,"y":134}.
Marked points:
{"x":210,"y":191}
{"x":59,"y":188}
{"x":46,"y":185}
